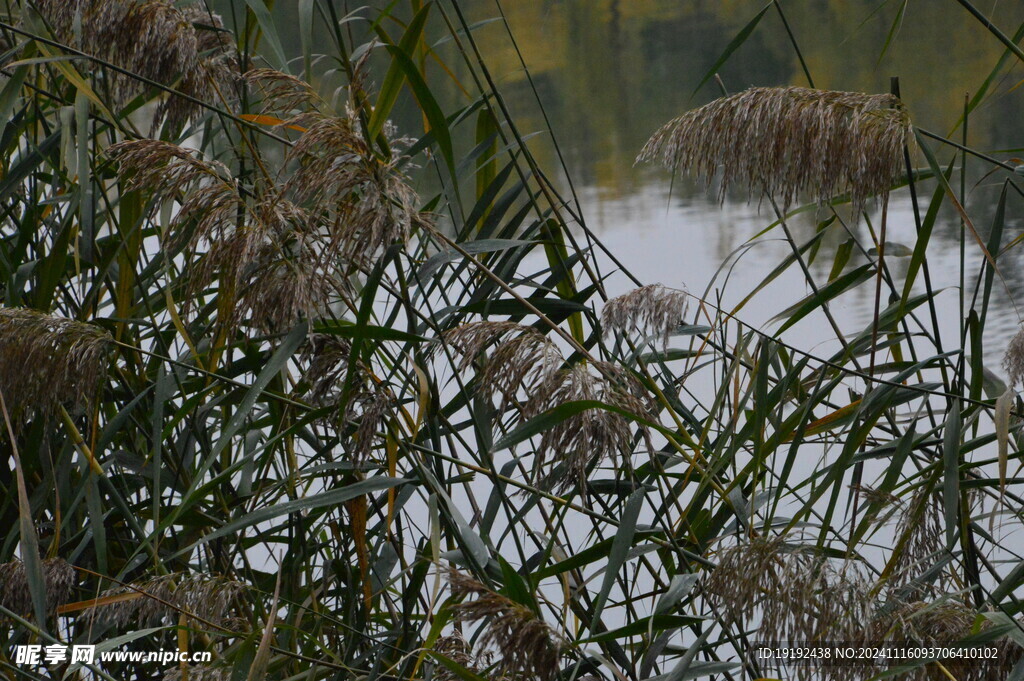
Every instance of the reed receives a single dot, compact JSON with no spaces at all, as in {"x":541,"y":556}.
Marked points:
{"x":329,"y":327}
{"x":784,"y":142}
{"x":654,"y":309}
{"x":47,"y":362}
{"x":207,"y":597}
{"x":58,"y":579}
{"x":185,"y":48}
{"x":525,"y":644}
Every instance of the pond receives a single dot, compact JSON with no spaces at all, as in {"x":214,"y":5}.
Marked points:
{"x":609,"y":73}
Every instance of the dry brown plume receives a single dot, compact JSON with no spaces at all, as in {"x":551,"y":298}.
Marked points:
{"x":785,"y":141}
{"x":654,"y":309}
{"x":208,"y":597}
{"x":568,"y":449}
{"x":58,"y":577}
{"x":48,"y":361}
{"x":526,"y":367}
{"x":802,"y":597}
{"x":183,"y":48}
{"x":525,"y":643}
{"x":285,"y":248}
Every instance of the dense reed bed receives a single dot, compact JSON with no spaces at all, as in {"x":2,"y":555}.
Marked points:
{"x":338,"y":399}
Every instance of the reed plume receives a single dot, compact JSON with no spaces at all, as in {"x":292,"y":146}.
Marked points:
{"x":525,"y":643}
{"x":369,"y":408}
{"x":783,"y":141}
{"x":283,"y":93}
{"x":800,"y":596}
{"x":568,"y":449}
{"x":654,"y":309}
{"x":58,"y":579}
{"x":47,"y":362}
{"x":267,"y":251}
{"x":284,"y":250}
{"x":326,"y":358}
{"x":369,"y":404}
{"x":525,"y":364}
{"x":1013,"y":359}
{"x":880,"y":506}
{"x":456,"y":648}
{"x":944,"y":622}
{"x":208,"y":197}
{"x":522,"y":358}
{"x":364,"y":202}
{"x":281,"y":286}
{"x":207,"y":597}
{"x":744,"y":574}
{"x":187,"y":49}
{"x":922,"y":525}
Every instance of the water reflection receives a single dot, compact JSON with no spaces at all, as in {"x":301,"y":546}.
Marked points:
{"x":610,"y":72}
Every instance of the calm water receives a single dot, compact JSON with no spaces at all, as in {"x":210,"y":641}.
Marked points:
{"x":610,"y":72}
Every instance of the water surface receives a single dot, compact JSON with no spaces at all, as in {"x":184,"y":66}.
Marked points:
{"x":610,"y":72}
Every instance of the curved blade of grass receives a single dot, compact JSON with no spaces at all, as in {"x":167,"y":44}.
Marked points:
{"x":393,"y":79}
{"x":733,"y":45}
{"x":623,"y":541}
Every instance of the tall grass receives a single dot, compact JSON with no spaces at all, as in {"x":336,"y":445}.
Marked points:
{"x":335,"y":399}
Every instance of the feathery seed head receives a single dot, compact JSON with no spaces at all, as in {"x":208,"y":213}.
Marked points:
{"x":457,"y":649}
{"x":48,"y":361}
{"x":788,"y":140}
{"x":186,"y":49}
{"x":327,"y":356}
{"x":163,"y":168}
{"x":655,"y":309}
{"x":370,"y":404}
{"x":525,"y":359}
{"x":574,"y":444}
{"x":473,"y":338}
{"x":800,"y":596}
{"x":745,"y":572}
{"x":370,"y":409}
{"x":277,"y":264}
{"x":922,"y":524}
{"x":366,"y":203}
{"x":526,"y":644}
{"x":58,"y":578}
{"x":279,"y":289}
{"x":522,"y":357}
{"x":879,"y":504}
{"x":1013,"y":360}
{"x":818,"y":598}
{"x":283,"y":93}
{"x":208,"y":597}
{"x":944,"y":622}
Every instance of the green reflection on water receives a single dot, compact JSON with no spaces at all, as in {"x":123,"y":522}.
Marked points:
{"x":610,"y":72}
